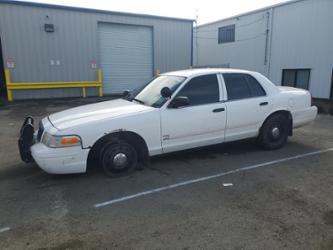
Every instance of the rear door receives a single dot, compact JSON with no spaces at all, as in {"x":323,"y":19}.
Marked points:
{"x":247,"y":105}
{"x":201,"y":123}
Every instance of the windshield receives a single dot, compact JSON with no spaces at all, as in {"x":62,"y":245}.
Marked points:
{"x":151,"y":94}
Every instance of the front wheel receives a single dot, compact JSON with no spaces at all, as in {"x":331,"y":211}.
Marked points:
{"x":274,"y":132}
{"x":118,"y":158}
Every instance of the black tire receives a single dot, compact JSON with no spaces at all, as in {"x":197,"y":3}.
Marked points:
{"x":118,"y":158}
{"x":274,"y":132}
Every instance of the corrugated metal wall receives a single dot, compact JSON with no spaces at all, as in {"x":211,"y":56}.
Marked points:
{"x":302,"y":37}
{"x":74,"y":45}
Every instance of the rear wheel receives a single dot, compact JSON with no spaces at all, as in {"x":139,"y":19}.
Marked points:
{"x":274,"y":133}
{"x":118,"y":158}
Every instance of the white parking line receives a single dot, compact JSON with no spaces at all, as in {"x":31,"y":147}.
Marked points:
{"x":188,"y":182}
{"x":2,"y":230}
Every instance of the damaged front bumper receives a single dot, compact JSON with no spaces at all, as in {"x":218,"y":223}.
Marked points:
{"x":67,"y":160}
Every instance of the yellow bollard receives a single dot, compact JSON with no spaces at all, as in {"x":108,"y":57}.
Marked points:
{"x":7,"y":79}
{"x":84,"y":92}
{"x":158,"y":71}
{"x":100,"y":80}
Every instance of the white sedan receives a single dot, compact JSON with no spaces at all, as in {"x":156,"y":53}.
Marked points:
{"x":175,"y":111}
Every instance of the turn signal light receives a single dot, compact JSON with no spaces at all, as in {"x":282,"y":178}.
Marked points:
{"x":69,"y":140}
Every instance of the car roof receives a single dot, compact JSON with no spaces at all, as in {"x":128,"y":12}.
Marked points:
{"x":203,"y":71}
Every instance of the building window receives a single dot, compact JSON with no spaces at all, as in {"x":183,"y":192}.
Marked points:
{"x":227,"y":34}
{"x":298,"y":78}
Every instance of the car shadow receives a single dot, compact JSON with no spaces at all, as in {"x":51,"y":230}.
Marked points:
{"x":211,"y":152}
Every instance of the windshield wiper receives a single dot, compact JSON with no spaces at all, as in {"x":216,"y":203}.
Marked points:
{"x":139,"y":101}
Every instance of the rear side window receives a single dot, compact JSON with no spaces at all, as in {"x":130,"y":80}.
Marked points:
{"x":201,"y":90}
{"x":255,"y":87}
{"x":237,"y":86}
{"x":241,"y":86}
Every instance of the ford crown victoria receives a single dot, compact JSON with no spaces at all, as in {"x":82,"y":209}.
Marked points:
{"x":174,"y":111}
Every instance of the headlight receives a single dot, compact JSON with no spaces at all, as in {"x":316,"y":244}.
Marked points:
{"x":56,"y":141}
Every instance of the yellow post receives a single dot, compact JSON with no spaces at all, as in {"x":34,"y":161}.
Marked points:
{"x":8,"y":80}
{"x":100,"y":80}
{"x":84,"y":92}
{"x":158,"y":72}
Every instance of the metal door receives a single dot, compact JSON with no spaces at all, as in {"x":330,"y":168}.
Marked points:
{"x":126,"y":56}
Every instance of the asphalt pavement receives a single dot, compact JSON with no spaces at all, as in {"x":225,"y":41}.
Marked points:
{"x":228,"y":196}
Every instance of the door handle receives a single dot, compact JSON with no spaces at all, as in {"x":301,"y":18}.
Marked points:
{"x":218,"y":110}
{"x":263,"y":104}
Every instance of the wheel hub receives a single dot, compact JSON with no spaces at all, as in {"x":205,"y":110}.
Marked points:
{"x":275,"y":132}
{"x":120,"y":160}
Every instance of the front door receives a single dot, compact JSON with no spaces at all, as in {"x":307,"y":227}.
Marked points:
{"x":200,"y":123}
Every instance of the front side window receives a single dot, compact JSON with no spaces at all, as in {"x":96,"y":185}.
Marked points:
{"x":298,"y":78}
{"x":201,"y":90}
{"x":151,"y":94}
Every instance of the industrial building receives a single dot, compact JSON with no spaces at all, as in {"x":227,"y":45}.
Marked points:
{"x":56,"y":51}
{"x":290,"y":43}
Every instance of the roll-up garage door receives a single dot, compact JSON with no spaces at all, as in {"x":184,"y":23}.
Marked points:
{"x":126,"y":56}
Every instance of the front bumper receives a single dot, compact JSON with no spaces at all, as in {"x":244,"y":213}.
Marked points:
{"x":67,"y":160}
{"x":60,"y":160}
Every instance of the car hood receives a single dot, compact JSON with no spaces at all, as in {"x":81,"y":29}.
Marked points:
{"x":95,"y":112}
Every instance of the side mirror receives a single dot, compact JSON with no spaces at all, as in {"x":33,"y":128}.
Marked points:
{"x":166,"y":92}
{"x":126,"y":93}
{"x":179,"y":102}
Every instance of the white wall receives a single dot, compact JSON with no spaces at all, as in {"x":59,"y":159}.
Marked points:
{"x":302,"y":37}
{"x":246,"y":52}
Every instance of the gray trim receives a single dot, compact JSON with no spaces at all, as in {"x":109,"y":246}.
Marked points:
{"x":252,"y":12}
{"x":222,"y":66}
{"x":268,"y":16}
{"x":331,"y":95}
{"x":192,"y":46}
{"x":270,"y":43}
{"x":153,"y":52}
{"x":81,"y":9}
{"x":3,"y":87}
